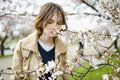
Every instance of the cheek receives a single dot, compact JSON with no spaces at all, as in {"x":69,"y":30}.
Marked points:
{"x":59,"y":27}
{"x":46,"y":29}
{"x":48,"y":26}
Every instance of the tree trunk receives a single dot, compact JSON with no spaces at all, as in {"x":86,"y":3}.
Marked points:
{"x":2,"y":45}
{"x":81,"y":47}
{"x":2,"y":49}
{"x":115,"y":43}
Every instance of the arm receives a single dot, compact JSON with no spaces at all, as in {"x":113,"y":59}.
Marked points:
{"x":63,"y":59}
{"x":66,"y":75}
{"x":17,"y":61}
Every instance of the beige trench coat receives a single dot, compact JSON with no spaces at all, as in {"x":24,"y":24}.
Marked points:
{"x":26,"y":56}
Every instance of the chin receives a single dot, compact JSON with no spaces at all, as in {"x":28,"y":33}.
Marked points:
{"x":53,"y":35}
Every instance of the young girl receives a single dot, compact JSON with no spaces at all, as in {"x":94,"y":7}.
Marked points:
{"x":42,"y":45}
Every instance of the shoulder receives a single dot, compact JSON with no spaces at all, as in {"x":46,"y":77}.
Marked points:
{"x":60,"y":44}
{"x":27,"y":39}
{"x":59,"y":41}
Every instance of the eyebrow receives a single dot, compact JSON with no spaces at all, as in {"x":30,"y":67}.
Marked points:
{"x":53,"y":20}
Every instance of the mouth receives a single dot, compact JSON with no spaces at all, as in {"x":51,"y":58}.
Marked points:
{"x":56,"y":32}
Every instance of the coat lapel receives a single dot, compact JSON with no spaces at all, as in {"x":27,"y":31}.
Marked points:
{"x":60,"y":47}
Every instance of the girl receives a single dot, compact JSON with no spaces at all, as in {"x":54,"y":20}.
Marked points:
{"x":42,"y":45}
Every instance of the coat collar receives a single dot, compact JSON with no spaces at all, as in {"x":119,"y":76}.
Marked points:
{"x":31,"y":43}
{"x":60,"y":46}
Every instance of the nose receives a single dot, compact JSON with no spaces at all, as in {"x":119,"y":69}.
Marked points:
{"x":55,"y":26}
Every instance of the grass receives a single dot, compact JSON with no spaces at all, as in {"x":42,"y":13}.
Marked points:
{"x":9,"y":55}
{"x":72,"y":43}
{"x":97,"y":75}
{"x":93,"y":74}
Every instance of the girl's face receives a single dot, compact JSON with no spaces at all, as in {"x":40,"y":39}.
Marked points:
{"x":53,"y":26}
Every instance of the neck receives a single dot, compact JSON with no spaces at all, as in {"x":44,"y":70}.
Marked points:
{"x":46,"y":40}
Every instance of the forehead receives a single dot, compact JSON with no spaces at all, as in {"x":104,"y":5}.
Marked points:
{"x":56,"y":16}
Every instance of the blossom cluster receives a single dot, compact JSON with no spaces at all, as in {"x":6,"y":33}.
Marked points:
{"x":52,"y":68}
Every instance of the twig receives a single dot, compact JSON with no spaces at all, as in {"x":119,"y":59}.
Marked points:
{"x":89,"y":5}
{"x":82,"y":65}
{"x":85,"y":73}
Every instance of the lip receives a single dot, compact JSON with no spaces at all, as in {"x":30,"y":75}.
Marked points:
{"x":54,"y":32}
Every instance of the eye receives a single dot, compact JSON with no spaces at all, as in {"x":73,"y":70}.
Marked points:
{"x":60,"y":23}
{"x":50,"y":22}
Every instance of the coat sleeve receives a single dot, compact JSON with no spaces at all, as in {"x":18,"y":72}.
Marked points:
{"x":65,"y":76}
{"x":63,"y":65}
{"x":17,"y":61}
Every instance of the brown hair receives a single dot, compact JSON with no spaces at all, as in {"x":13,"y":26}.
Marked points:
{"x":46,"y":14}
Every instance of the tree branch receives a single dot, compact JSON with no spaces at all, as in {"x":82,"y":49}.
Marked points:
{"x":85,"y":73}
{"x":89,"y":5}
{"x":9,"y":14}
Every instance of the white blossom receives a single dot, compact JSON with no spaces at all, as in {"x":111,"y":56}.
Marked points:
{"x":57,"y":73}
{"x":118,"y":69}
{"x":95,"y":62}
{"x":16,"y":33}
{"x":51,"y":65}
{"x":63,"y":27}
{"x":116,"y":78}
{"x":105,"y":77}
{"x":50,"y":78}
{"x":114,"y":36}
{"x":40,"y":71}
{"x":2,"y":34}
